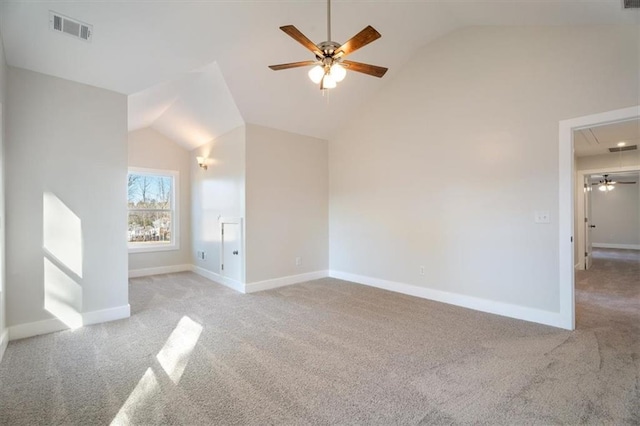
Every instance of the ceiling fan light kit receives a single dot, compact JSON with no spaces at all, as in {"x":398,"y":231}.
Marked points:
{"x":329,"y":66}
{"x":606,"y":184}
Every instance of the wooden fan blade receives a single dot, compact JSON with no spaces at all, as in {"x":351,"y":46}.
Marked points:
{"x":291,"y":65}
{"x":625,"y":183}
{"x":373,"y":70}
{"x":295,"y":34}
{"x":359,"y":40}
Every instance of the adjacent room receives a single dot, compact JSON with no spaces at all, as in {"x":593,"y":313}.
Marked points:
{"x":319,"y":212}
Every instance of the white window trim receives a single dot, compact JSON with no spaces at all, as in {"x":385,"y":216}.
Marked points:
{"x":175,"y":217}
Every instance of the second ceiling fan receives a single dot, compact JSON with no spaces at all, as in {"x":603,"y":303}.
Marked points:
{"x":607,"y":184}
{"x":330,"y":67}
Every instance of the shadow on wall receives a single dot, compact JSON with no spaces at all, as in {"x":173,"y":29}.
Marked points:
{"x":62,"y":257}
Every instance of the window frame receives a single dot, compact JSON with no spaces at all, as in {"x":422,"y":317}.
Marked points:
{"x":175,"y":215}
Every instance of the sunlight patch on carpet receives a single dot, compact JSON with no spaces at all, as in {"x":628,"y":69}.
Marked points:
{"x":145,"y":391}
{"x":174,"y":355}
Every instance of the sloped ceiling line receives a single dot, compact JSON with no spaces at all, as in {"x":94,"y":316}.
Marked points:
{"x":191,"y":110}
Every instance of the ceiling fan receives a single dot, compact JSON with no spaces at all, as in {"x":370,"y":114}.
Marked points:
{"x":330,"y":67}
{"x":606,"y":184}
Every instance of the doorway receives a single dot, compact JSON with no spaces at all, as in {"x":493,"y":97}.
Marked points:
{"x":608,"y":216}
{"x":572,"y":180}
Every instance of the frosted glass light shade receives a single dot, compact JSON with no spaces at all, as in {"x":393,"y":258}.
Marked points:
{"x":316,"y":73}
{"x":329,"y":82}
{"x":338,"y":72}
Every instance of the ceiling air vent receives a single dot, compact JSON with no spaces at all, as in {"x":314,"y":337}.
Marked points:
{"x":623,"y":148}
{"x":73,"y":27}
{"x":631,"y":4}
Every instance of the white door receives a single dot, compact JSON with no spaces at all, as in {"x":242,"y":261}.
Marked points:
{"x":588,"y":226}
{"x":231,"y":266}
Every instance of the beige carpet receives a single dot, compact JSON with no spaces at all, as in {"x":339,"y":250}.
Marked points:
{"x":331,"y":352}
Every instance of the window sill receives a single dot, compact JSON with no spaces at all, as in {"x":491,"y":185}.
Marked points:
{"x":152,"y":248}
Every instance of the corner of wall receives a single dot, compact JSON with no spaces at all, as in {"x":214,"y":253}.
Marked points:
{"x":216,"y":192}
{"x":4,"y":335}
{"x":4,"y":341}
{"x":76,"y":113}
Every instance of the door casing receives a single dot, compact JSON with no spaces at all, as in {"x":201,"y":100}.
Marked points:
{"x":235,"y":221}
{"x":566,"y":199}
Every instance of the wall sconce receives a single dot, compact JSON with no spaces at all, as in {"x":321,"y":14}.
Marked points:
{"x":201,"y":162}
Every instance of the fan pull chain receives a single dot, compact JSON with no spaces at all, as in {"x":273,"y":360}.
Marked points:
{"x":325,"y":94}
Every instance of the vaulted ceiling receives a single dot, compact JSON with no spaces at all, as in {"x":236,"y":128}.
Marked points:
{"x":152,"y":48}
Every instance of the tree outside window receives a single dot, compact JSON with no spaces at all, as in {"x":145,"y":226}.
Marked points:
{"x":152,"y":215}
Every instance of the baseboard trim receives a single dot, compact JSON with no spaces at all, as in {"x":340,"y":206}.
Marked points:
{"x":617,"y":246}
{"x":145,"y":272}
{"x":4,"y":341}
{"x":489,"y":306}
{"x":36,"y":328}
{"x":284,"y":281}
{"x":106,"y":315}
{"x":576,"y":266}
{"x":232,"y":284}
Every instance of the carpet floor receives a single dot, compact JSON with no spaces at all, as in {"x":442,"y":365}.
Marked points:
{"x":331,"y":352}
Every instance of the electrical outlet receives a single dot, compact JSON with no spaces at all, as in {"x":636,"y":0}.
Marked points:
{"x":200,"y":255}
{"x":421,"y":270}
{"x":298,"y":261}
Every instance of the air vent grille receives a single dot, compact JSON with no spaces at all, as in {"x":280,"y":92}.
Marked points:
{"x":631,"y":4}
{"x":73,"y":27}
{"x":623,"y":148}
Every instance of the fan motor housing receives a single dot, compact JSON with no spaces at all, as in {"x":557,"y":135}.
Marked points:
{"x":328,"y":47}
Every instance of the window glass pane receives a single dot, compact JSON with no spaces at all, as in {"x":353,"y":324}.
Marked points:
{"x":150,"y":227}
{"x":149,"y":192}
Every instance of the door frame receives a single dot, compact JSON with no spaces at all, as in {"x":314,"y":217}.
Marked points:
{"x":236,"y":221}
{"x":580,"y":213}
{"x":566,"y":192}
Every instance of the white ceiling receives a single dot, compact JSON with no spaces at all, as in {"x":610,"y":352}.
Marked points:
{"x":598,"y":140}
{"x":140,"y":44}
{"x":192,"y":109}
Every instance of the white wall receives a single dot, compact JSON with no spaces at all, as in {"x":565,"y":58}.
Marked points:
{"x":3,"y":111}
{"x":216,"y":192}
{"x":447,"y":164}
{"x":287,"y":204}
{"x":616,"y":215}
{"x":66,"y":172}
{"x":152,"y":150}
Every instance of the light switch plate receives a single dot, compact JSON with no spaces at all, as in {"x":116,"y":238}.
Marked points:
{"x":542,"y":216}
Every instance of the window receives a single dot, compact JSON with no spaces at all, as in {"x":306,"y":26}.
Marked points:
{"x":153,"y":216}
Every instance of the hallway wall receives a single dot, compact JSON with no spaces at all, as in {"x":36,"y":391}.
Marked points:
{"x":616,"y":215}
